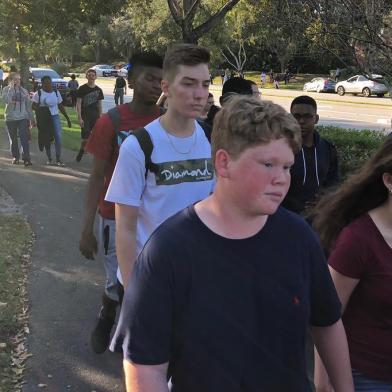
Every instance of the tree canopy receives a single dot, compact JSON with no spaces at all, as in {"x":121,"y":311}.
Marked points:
{"x":311,"y":35}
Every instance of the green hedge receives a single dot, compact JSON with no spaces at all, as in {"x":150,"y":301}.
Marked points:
{"x":354,"y":147}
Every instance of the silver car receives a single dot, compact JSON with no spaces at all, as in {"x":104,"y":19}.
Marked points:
{"x":360,"y":84}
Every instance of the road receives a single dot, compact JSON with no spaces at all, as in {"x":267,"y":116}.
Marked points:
{"x":347,"y":111}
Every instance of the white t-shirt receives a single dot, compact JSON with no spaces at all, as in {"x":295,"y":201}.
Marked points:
{"x":185,"y":176}
{"x":49,"y":99}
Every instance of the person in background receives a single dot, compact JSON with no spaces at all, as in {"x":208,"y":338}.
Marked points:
{"x":263,"y":78}
{"x":233,"y":86}
{"x":210,"y":101}
{"x":18,"y":118}
{"x":355,"y":227}
{"x":180,"y":172}
{"x":223,"y":292}
{"x":222,"y":75}
{"x":144,"y":78}
{"x":120,"y":89}
{"x":73,"y":88}
{"x":89,"y":108}
{"x":271,"y":76}
{"x":49,"y":101}
{"x":316,"y":165}
{"x":337,"y":74}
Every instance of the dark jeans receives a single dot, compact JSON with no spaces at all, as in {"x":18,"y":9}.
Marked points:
{"x":119,"y":96}
{"x":73,"y":97}
{"x":19,"y":128}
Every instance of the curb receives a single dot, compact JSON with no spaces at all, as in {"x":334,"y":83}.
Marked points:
{"x":267,"y":93}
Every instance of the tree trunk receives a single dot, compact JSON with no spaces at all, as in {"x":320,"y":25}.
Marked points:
{"x":23,"y":66}
{"x":97,"y":53}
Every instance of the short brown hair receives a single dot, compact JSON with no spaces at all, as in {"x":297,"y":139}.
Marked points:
{"x":183,"y":54}
{"x":246,"y":122}
{"x":91,"y":70}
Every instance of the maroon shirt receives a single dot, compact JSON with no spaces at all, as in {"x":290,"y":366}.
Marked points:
{"x":362,"y":253}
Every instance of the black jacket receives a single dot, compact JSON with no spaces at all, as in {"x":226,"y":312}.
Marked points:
{"x":308,"y":178}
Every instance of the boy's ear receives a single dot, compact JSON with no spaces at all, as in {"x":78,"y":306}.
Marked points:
{"x":165,"y":87}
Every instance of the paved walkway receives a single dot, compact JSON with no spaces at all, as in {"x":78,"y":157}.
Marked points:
{"x":64,"y":288}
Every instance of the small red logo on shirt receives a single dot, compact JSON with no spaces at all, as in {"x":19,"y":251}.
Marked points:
{"x":296,"y":300}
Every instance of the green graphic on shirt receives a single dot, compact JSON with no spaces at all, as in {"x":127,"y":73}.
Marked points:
{"x":193,"y":170}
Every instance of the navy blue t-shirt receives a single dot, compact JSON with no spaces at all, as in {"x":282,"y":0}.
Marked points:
{"x":228,"y":315}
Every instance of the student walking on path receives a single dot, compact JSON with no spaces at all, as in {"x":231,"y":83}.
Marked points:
{"x":104,"y":144}
{"x":355,"y":227}
{"x":47,"y":104}
{"x":19,"y":118}
{"x":89,"y":108}
{"x":223,"y":292}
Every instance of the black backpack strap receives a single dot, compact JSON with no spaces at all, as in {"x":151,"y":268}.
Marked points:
{"x":145,"y":142}
{"x":114,"y":116}
{"x":39,"y":97}
{"x":206,"y":128}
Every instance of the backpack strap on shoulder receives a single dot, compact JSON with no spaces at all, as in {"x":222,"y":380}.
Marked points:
{"x":114,"y":116}
{"x":39,"y":97}
{"x":145,"y":142}
{"x":141,"y":135}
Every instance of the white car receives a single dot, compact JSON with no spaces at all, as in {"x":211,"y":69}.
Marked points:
{"x":320,"y":85}
{"x":360,"y":84}
{"x":122,"y":72}
{"x":104,"y":70}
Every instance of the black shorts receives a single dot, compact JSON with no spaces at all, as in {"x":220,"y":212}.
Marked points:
{"x":89,"y":122}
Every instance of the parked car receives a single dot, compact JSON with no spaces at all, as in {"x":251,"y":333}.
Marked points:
{"x":104,"y":70}
{"x":360,"y":84}
{"x":58,"y":83}
{"x":123,"y":72}
{"x":321,"y":85}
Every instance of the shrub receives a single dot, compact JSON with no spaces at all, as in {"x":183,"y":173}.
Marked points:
{"x":354,"y":147}
{"x":61,"y":69}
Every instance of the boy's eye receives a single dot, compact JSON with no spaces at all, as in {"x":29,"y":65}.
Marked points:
{"x":267,"y":164}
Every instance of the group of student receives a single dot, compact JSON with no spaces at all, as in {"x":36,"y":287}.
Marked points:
{"x":47,"y":103}
{"x":218,"y":283}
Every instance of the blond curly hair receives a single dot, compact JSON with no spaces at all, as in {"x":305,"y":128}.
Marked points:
{"x":245,"y":122}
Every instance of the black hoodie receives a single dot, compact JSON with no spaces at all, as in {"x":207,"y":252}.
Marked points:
{"x":308,"y":178}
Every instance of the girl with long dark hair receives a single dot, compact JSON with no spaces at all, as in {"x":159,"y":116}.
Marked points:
{"x":355,"y":226}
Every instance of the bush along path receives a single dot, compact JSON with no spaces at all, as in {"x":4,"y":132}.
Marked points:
{"x":15,"y":249}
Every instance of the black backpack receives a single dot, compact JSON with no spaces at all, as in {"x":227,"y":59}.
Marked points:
{"x":144,"y":138}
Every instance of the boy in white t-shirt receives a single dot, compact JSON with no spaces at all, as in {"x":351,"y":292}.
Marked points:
{"x":181,"y":155}
{"x":46,"y":101}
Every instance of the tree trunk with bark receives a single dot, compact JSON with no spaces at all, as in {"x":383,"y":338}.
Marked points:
{"x":184,"y":16}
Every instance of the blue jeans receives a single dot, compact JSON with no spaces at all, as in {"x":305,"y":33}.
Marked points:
{"x":19,"y":128}
{"x":57,"y":138}
{"x":363,"y":383}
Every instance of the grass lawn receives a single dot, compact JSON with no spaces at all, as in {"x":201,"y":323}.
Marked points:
{"x":15,"y":246}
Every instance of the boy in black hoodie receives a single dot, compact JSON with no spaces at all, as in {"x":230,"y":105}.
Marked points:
{"x":316,"y":165}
